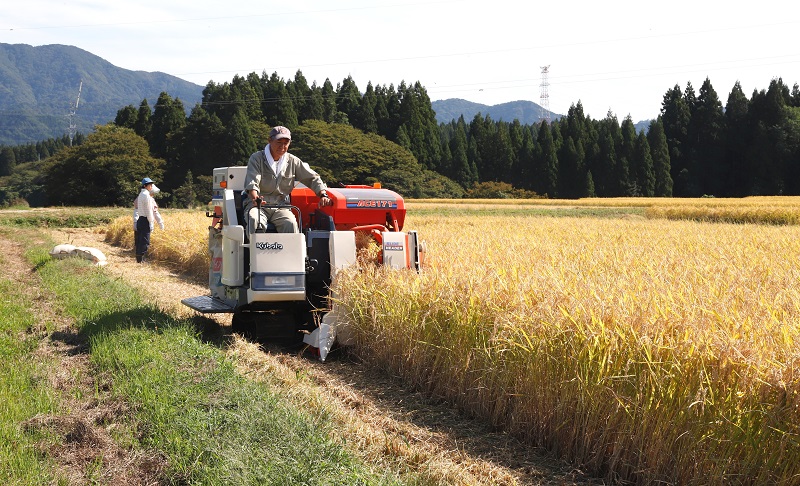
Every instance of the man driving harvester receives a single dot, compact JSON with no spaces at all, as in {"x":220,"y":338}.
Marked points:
{"x":271,"y":176}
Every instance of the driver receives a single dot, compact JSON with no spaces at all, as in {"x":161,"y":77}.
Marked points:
{"x":271,"y":175}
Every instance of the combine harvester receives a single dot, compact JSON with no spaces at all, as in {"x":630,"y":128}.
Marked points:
{"x":278,"y":284}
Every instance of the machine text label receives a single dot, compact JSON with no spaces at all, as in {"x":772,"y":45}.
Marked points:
{"x":393,"y":246}
{"x":374,"y":203}
{"x":264,"y":245}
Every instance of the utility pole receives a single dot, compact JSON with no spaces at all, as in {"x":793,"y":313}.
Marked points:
{"x":544,"y":97}
{"x":73,"y":128}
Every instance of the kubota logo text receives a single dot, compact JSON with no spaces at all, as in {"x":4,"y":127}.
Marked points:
{"x":264,"y":245}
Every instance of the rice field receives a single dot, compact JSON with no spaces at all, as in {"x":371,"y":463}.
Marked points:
{"x":644,"y":350}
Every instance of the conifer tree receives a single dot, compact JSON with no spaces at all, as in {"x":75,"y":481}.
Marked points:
{"x":348,"y":99}
{"x":300,"y":93}
{"x":126,"y":117}
{"x":675,"y":118}
{"x":548,"y":167}
{"x":475,"y":139}
{"x":474,"y":158}
{"x":366,"y":119}
{"x":200,"y":145}
{"x":185,"y":196}
{"x":570,"y":181}
{"x":642,"y":167}
{"x":239,"y":139}
{"x":707,"y":129}
{"x":768,"y":151}
{"x":659,"y":151}
{"x":526,"y":157}
{"x":7,"y":161}
{"x":246,"y":94}
{"x":143,"y":115}
{"x":169,"y":116}
{"x":737,"y":137}
{"x":627,"y":144}
{"x":315,"y":110}
{"x":277,"y":105}
{"x":329,"y":100}
{"x":461,"y":171}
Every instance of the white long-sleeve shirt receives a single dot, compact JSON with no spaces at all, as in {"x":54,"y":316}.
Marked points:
{"x":146,"y":206}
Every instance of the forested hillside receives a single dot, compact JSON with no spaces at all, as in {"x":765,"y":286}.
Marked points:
{"x":39,"y":87}
{"x":696,"y":147}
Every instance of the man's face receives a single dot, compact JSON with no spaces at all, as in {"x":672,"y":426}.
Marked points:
{"x":279,"y":147}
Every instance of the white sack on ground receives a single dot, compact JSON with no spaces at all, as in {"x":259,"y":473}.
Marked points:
{"x":86,"y":252}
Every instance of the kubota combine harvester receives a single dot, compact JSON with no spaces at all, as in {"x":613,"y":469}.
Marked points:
{"x":278,"y":284}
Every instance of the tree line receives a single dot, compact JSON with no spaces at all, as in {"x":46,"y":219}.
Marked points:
{"x":694,"y":147}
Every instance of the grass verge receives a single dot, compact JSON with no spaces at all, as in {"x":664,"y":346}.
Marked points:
{"x":23,"y":394}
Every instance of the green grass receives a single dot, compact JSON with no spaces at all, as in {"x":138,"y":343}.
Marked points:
{"x":212,"y":425}
{"x":23,"y":394}
{"x":64,"y":217}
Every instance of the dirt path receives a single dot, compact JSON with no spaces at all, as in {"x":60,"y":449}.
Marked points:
{"x":390,"y":424}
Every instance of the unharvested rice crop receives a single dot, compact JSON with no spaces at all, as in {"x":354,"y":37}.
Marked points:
{"x":643,"y":350}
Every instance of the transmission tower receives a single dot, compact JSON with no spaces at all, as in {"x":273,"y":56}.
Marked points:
{"x":544,"y":97}
{"x":73,"y":128}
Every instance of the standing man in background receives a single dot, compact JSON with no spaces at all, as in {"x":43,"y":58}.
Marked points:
{"x":145,"y":215}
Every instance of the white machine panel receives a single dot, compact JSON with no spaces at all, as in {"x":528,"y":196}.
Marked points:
{"x":342,"y":249}
{"x":277,"y":267}
{"x":396,"y":250}
{"x":232,"y":176}
{"x":232,"y":265}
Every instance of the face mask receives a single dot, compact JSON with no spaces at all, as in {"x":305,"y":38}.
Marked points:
{"x":155,"y":190}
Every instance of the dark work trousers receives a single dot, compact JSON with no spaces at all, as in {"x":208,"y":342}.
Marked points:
{"x":142,"y":238}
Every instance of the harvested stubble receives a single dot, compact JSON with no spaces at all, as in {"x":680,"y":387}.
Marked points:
{"x":646,"y":350}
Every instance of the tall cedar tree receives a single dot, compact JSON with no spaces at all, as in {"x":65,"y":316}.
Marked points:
{"x":643,"y":177}
{"x":168,"y":117}
{"x":707,"y":128}
{"x":143,"y":115}
{"x":675,"y":117}
{"x":547,"y":169}
{"x":366,"y":119}
{"x":277,"y":107}
{"x":769,"y":152}
{"x":199,"y":146}
{"x":737,"y":136}
{"x":300,"y":92}
{"x":348,"y":100}
{"x":659,"y":151}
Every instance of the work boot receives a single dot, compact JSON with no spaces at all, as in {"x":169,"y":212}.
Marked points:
{"x":139,"y":258}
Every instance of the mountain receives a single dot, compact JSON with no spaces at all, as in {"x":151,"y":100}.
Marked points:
{"x":527,"y":112}
{"x":39,"y":87}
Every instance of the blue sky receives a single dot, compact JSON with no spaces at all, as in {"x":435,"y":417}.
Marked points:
{"x":618,"y":56}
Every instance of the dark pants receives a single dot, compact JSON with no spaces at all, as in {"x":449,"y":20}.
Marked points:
{"x":142,"y":238}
